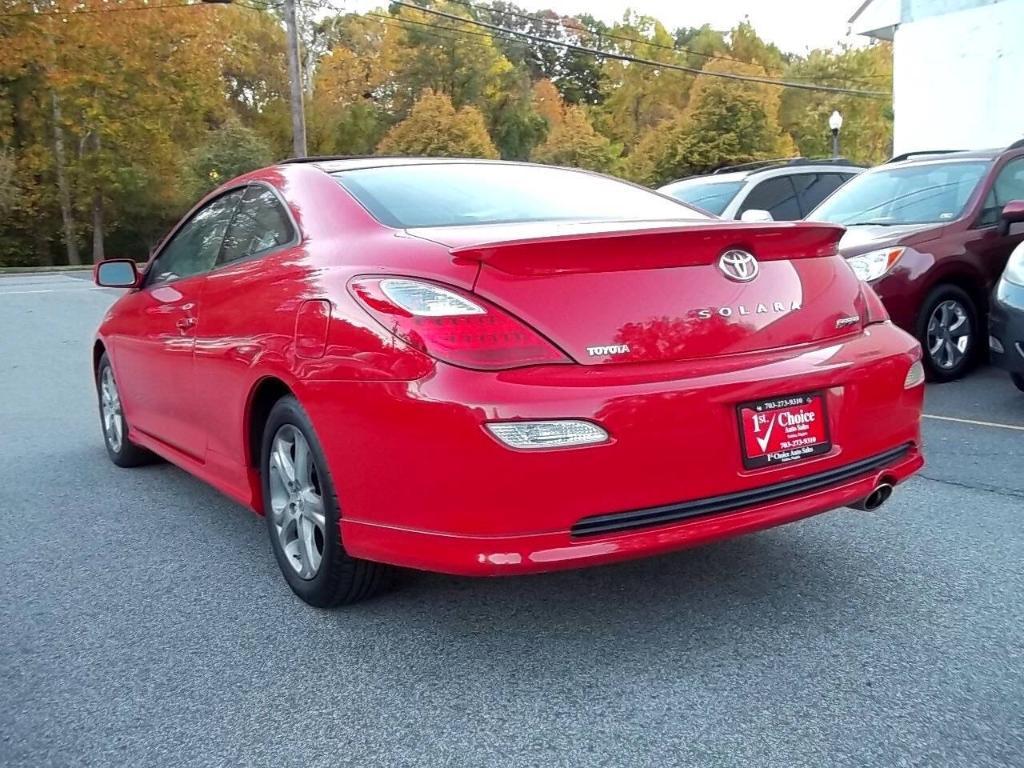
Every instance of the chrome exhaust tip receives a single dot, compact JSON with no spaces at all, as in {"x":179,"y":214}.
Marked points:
{"x":875,"y":499}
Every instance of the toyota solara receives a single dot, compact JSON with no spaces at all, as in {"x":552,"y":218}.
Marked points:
{"x":490,"y":368}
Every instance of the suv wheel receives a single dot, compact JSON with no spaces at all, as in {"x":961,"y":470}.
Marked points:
{"x":948,"y":330}
{"x":1018,"y":381}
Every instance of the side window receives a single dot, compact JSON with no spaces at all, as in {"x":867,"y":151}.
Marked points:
{"x":1009,"y":185}
{"x":812,"y":188}
{"x":193,"y":249}
{"x":260,"y":224}
{"x":777,"y":196}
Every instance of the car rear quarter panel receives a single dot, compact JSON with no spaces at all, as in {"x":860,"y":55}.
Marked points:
{"x":250,"y":317}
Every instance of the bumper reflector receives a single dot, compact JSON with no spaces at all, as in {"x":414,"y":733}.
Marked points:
{"x":914,"y":376}
{"x":563,"y":433}
{"x":995,"y":345}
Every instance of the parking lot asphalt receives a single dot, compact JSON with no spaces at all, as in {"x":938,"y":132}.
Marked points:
{"x":143,"y":621}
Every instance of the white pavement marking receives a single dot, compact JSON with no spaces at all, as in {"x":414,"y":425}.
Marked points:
{"x":84,"y":289}
{"x":976,"y":423}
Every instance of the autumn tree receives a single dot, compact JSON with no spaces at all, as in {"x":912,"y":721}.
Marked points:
{"x":435,"y":128}
{"x":547,"y":102}
{"x":347,"y":113}
{"x":112,"y":123}
{"x":575,"y":143}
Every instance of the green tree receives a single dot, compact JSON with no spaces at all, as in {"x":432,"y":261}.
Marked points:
{"x":575,"y":143}
{"x":700,"y":45}
{"x":514,"y":124}
{"x":726,"y":122}
{"x":637,"y":97}
{"x":226,"y":152}
{"x":867,"y":122}
{"x":469,"y":68}
{"x":435,"y":128}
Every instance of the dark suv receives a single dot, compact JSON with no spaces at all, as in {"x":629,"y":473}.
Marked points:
{"x":927,"y":231}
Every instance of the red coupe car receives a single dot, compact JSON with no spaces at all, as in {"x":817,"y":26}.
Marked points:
{"x":493,"y":368}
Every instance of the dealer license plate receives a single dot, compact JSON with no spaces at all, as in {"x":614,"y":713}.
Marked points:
{"x":780,"y":430}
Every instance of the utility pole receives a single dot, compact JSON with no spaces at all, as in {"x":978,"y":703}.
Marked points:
{"x":295,"y":80}
{"x":294,"y":74}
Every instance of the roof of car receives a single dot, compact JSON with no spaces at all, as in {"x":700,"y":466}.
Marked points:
{"x":935,"y":156}
{"x":335,"y":164}
{"x":925,"y":155}
{"x":764,"y":172}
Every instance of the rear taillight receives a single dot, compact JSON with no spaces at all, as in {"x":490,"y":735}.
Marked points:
{"x":874,"y":309}
{"x":451,"y":326}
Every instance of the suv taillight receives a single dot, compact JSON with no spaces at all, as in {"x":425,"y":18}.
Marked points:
{"x":451,"y":326}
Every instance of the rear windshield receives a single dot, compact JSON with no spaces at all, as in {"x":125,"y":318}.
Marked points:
{"x":712,"y":196}
{"x":923,"y":193}
{"x":442,"y":195}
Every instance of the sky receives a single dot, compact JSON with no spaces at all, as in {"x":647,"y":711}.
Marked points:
{"x":796,"y":26}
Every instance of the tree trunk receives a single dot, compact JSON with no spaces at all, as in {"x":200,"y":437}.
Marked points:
{"x":44,"y":255}
{"x":67,"y":214}
{"x":97,"y":227}
{"x":92,"y":141}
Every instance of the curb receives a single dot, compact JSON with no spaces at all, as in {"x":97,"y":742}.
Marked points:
{"x":44,"y":270}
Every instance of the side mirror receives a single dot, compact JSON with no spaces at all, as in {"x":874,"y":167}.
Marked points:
{"x":1013,"y":213}
{"x":756,"y":214}
{"x":116,"y":273}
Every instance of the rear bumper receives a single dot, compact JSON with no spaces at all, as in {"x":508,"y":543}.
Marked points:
{"x":516,"y":555}
{"x":1006,"y":326}
{"x":422,"y":484}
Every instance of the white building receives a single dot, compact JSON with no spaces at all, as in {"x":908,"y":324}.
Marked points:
{"x":958,"y":70}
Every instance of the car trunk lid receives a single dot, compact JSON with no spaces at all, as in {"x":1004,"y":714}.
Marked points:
{"x":656,"y":291}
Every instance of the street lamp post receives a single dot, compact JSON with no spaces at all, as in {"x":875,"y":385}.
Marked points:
{"x":835,"y":122}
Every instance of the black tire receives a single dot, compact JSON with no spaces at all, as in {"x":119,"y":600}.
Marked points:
{"x":936,"y":369}
{"x":123,"y":452}
{"x":1018,"y":381}
{"x":339,"y":579}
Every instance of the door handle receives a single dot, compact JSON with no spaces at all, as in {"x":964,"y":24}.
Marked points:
{"x":185,"y":323}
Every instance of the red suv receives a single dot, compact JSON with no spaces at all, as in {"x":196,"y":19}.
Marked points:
{"x":927,"y":232}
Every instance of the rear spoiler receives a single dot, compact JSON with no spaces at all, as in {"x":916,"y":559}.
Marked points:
{"x":676,"y":246}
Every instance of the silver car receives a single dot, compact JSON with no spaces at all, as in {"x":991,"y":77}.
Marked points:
{"x":776,"y":190}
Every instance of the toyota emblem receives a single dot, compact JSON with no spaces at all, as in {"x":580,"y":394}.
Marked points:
{"x":738,"y":265}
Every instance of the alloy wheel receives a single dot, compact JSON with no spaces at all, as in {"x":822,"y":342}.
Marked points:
{"x":949,"y":334}
{"x":110,"y":409}
{"x":297,"y":501}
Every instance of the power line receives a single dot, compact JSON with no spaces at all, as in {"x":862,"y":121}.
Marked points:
{"x":593,"y":32}
{"x":398,"y":21}
{"x":646,"y":62}
{"x":560,"y":22}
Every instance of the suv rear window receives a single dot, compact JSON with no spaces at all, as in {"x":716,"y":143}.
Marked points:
{"x":712,"y":196}
{"x":442,"y":194}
